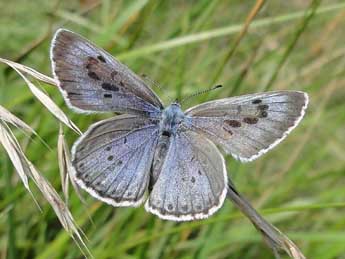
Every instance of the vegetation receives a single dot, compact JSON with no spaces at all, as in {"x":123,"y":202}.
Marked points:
{"x":186,"y":46}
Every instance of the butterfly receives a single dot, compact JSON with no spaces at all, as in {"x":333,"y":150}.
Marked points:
{"x":163,"y":156}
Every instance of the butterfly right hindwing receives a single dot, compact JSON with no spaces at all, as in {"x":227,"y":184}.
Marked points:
{"x":192,"y":181}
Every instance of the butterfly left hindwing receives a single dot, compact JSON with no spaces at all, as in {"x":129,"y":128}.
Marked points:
{"x":112,"y":160}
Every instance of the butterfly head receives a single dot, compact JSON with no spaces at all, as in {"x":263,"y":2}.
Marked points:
{"x":172,"y":117}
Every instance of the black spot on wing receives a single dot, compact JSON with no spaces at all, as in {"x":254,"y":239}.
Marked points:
{"x":263,"y":110}
{"x":93,"y":75}
{"x":250,"y":120}
{"x":233,"y":123}
{"x":256,"y":101}
{"x":74,"y":94}
{"x":101,"y":58}
{"x":110,"y":87}
{"x":263,"y":107}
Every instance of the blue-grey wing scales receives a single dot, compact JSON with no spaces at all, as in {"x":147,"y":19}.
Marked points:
{"x":112,"y":160}
{"x":192,"y":181}
{"x":91,"y":80}
{"x":248,"y":126}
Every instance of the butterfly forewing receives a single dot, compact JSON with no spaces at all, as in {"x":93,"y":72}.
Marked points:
{"x":192,"y":181}
{"x":112,"y":159}
{"x":248,"y":126}
{"x":92,"y":80}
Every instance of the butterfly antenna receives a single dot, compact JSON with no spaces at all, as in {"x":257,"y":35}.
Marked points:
{"x":152,"y":82}
{"x":200,"y":92}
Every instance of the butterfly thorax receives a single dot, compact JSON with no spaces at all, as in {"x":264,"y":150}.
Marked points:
{"x":172,"y":116}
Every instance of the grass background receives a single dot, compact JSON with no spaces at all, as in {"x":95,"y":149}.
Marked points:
{"x":298,"y":186}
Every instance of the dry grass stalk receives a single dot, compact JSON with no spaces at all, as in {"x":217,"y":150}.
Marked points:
{"x":26,"y":171}
{"x":65,"y":166}
{"x":42,"y":97}
{"x":15,"y":121}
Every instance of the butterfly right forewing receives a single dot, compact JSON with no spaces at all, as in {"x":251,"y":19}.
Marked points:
{"x":250,"y":125}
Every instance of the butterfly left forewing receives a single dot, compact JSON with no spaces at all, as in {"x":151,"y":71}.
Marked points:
{"x":250,"y":125}
{"x":192,"y":181}
{"x":93,"y":80}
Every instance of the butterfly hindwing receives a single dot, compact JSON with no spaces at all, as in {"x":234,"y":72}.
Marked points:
{"x":112,"y":160}
{"x":92,"y":80}
{"x":250,"y":125}
{"x":192,"y":180}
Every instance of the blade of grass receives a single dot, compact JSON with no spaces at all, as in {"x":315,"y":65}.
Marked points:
{"x":26,"y":169}
{"x":49,"y":104}
{"x":60,"y":209}
{"x":134,"y":241}
{"x":141,"y":22}
{"x":244,"y":71}
{"x":11,"y":243}
{"x":274,"y":238}
{"x":302,"y":27}
{"x":220,"y":32}
{"x":78,"y":19}
{"x":65,"y":165}
{"x":206,"y":13}
{"x":30,"y":48}
{"x":13,"y":150}
{"x":254,"y":11}
{"x":10,"y":118}
{"x":313,"y":68}
{"x":30,"y":71}
{"x":6,"y":116}
{"x":107,"y":35}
